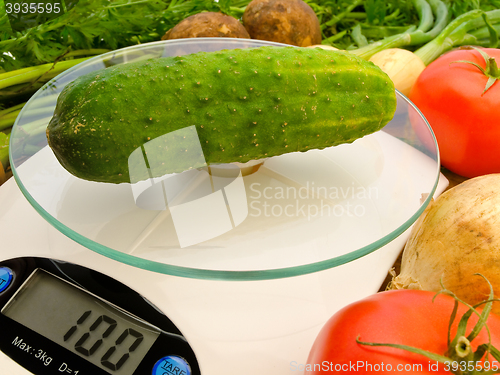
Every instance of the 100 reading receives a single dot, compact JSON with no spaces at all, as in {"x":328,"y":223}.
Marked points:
{"x":90,"y":340}
{"x":96,"y":331}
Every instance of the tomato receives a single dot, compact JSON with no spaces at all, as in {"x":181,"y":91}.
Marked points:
{"x":405,"y":317}
{"x":465,"y":121}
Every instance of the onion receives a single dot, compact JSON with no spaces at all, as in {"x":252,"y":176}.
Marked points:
{"x":401,"y":65}
{"x":457,"y":237}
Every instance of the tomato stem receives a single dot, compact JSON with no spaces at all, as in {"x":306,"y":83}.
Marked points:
{"x":491,"y":71}
{"x":494,"y":71}
{"x":463,"y":347}
{"x":459,"y":349}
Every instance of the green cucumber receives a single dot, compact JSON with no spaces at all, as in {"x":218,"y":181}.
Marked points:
{"x":245,"y":104}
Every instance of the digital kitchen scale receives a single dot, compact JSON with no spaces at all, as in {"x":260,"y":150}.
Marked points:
{"x":221,"y":270}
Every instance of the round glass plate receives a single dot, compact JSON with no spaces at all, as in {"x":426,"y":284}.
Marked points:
{"x":279,"y":217}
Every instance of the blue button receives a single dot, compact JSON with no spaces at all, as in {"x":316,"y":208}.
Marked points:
{"x":172,"y":365}
{"x":6,"y":277}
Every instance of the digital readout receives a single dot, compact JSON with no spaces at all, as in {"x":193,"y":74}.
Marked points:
{"x":86,"y":325}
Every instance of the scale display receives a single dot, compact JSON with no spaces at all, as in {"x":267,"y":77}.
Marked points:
{"x":82,"y":323}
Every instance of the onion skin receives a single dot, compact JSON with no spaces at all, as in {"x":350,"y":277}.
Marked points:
{"x":457,"y":237}
{"x":401,"y":65}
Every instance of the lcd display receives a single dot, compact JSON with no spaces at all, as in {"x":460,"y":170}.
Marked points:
{"x":101,"y":333}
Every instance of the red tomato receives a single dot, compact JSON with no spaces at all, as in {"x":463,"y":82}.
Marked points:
{"x":405,"y":317}
{"x":466,"y":122}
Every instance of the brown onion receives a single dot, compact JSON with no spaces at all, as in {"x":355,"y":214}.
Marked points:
{"x":457,"y":237}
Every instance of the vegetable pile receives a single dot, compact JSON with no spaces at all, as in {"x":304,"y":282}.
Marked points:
{"x":427,"y":28}
{"x":422,"y":46}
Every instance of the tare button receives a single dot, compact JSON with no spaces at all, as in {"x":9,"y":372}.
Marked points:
{"x":6,"y":277}
{"x":172,"y":365}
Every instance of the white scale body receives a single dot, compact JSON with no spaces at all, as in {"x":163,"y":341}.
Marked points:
{"x":261,"y":325}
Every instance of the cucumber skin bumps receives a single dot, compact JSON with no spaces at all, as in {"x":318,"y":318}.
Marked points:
{"x":244,"y":103}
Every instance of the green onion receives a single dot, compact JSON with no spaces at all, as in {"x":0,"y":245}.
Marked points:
{"x":457,"y":33}
{"x":424,"y":33}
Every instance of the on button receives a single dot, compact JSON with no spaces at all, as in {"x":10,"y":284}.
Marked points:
{"x":172,"y":365}
{"x":6,"y":277}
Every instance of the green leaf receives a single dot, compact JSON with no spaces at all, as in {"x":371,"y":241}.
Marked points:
{"x":375,"y":10}
{"x":492,"y":30}
{"x":225,"y":6}
{"x":358,"y":36}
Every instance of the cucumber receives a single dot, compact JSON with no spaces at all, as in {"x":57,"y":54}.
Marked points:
{"x":244,"y":104}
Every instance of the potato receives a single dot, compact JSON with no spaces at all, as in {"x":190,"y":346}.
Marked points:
{"x":207,"y":24}
{"x":284,"y":21}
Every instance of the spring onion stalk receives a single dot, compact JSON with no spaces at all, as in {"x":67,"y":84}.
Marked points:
{"x":358,"y":15}
{"x":9,"y":115}
{"x":20,"y":91}
{"x":27,"y":75}
{"x":493,"y":16}
{"x":333,"y":38}
{"x":4,"y":149}
{"x":380,"y":32}
{"x":7,"y":121}
{"x":457,"y":33}
{"x":37,"y":110}
{"x":433,"y":15}
{"x":86,"y":52}
{"x":443,"y":17}
{"x":424,"y":11}
{"x":433,"y":49}
{"x":394,"y":41}
{"x":11,"y":109}
{"x":484,"y":24}
{"x":482,"y":37}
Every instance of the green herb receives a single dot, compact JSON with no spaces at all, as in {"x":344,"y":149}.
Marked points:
{"x":95,"y":24}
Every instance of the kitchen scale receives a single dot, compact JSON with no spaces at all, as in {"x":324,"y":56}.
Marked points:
{"x":226,"y":270}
